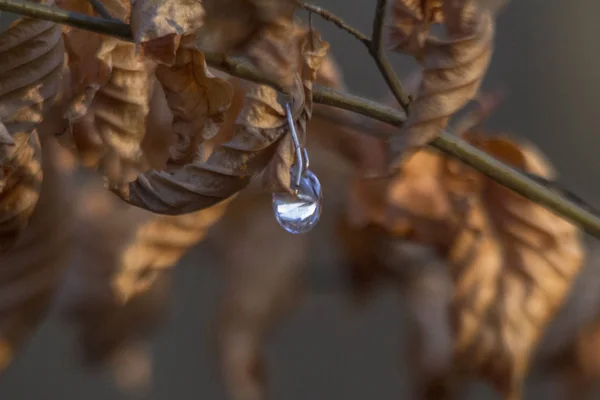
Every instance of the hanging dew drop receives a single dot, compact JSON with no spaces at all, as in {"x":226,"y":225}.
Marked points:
{"x":300,"y":213}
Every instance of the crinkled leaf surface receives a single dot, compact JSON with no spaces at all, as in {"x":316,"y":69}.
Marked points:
{"x":30,"y":77}
{"x":453,"y":65}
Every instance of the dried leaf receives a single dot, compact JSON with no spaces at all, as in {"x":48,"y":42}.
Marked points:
{"x":155,"y":19}
{"x":230,"y":166}
{"x":263,"y":30}
{"x":277,"y":176}
{"x":569,"y":350}
{"x":453,"y":67}
{"x":30,"y":78}
{"x":32,"y":269}
{"x":512,"y":261}
{"x":198,"y":101}
{"x":521,"y":276}
{"x":411,"y":21}
{"x":119,"y":283}
{"x":111,"y":89}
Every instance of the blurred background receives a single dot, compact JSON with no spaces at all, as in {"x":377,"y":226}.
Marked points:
{"x":547,"y":61}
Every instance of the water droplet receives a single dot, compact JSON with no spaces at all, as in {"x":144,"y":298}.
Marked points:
{"x":299,"y":213}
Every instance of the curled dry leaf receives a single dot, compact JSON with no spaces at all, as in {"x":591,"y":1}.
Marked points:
{"x":512,"y":261}
{"x":277,"y":176}
{"x":453,"y":66}
{"x":30,"y":78}
{"x":198,"y":101}
{"x":230,"y":166}
{"x":111,"y":89}
{"x":32,"y":270}
{"x":262,"y":30}
{"x":152,"y":20}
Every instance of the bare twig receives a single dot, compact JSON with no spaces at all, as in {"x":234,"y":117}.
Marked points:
{"x":377,"y":52}
{"x":446,"y":142}
{"x":374,"y":45}
{"x":100,"y":9}
{"x":329,"y":16}
{"x":77,"y":20}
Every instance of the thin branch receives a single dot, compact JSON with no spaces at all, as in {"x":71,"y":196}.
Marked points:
{"x":374,"y":46}
{"x":77,"y":20}
{"x":100,"y":9}
{"x":378,"y":54}
{"x":446,"y":142}
{"x":337,"y":21}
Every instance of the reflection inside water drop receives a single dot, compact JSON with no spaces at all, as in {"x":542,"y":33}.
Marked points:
{"x":299,"y":213}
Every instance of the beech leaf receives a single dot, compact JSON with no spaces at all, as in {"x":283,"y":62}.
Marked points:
{"x":153,"y":19}
{"x":33,"y":268}
{"x":453,"y":66}
{"x":277,"y":176}
{"x":119,"y":282}
{"x":214,"y":175}
{"x":512,"y":261}
{"x":110,"y":89}
{"x":30,"y":78}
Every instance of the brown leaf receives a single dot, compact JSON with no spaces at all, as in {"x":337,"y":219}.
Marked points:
{"x":219,"y":173}
{"x":198,"y":101}
{"x":411,"y":21}
{"x":263,"y":30}
{"x":569,"y":350}
{"x":111,"y":89}
{"x":120,"y":280}
{"x":154,"y":19}
{"x":158,"y":26}
{"x":277,"y":176}
{"x":32,"y":269}
{"x":453,"y":66}
{"x":508,"y":291}
{"x":30,"y":78}
{"x":512,"y":261}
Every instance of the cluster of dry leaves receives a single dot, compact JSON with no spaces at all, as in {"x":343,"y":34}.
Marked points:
{"x":484,"y":271}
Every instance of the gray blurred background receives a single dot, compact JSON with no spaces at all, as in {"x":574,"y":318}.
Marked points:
{"x":547,"y":57}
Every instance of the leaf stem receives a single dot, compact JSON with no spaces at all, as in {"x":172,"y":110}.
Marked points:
{"x":446,"y":142}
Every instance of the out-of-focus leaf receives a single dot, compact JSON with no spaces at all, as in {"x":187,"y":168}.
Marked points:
{"x":32,"y":270}
{"x":118,"y":286}
{"x":31,"y":70}
{"x":570,"y":349}
{"x":453,"y":66}
{"x":511,"y":260}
